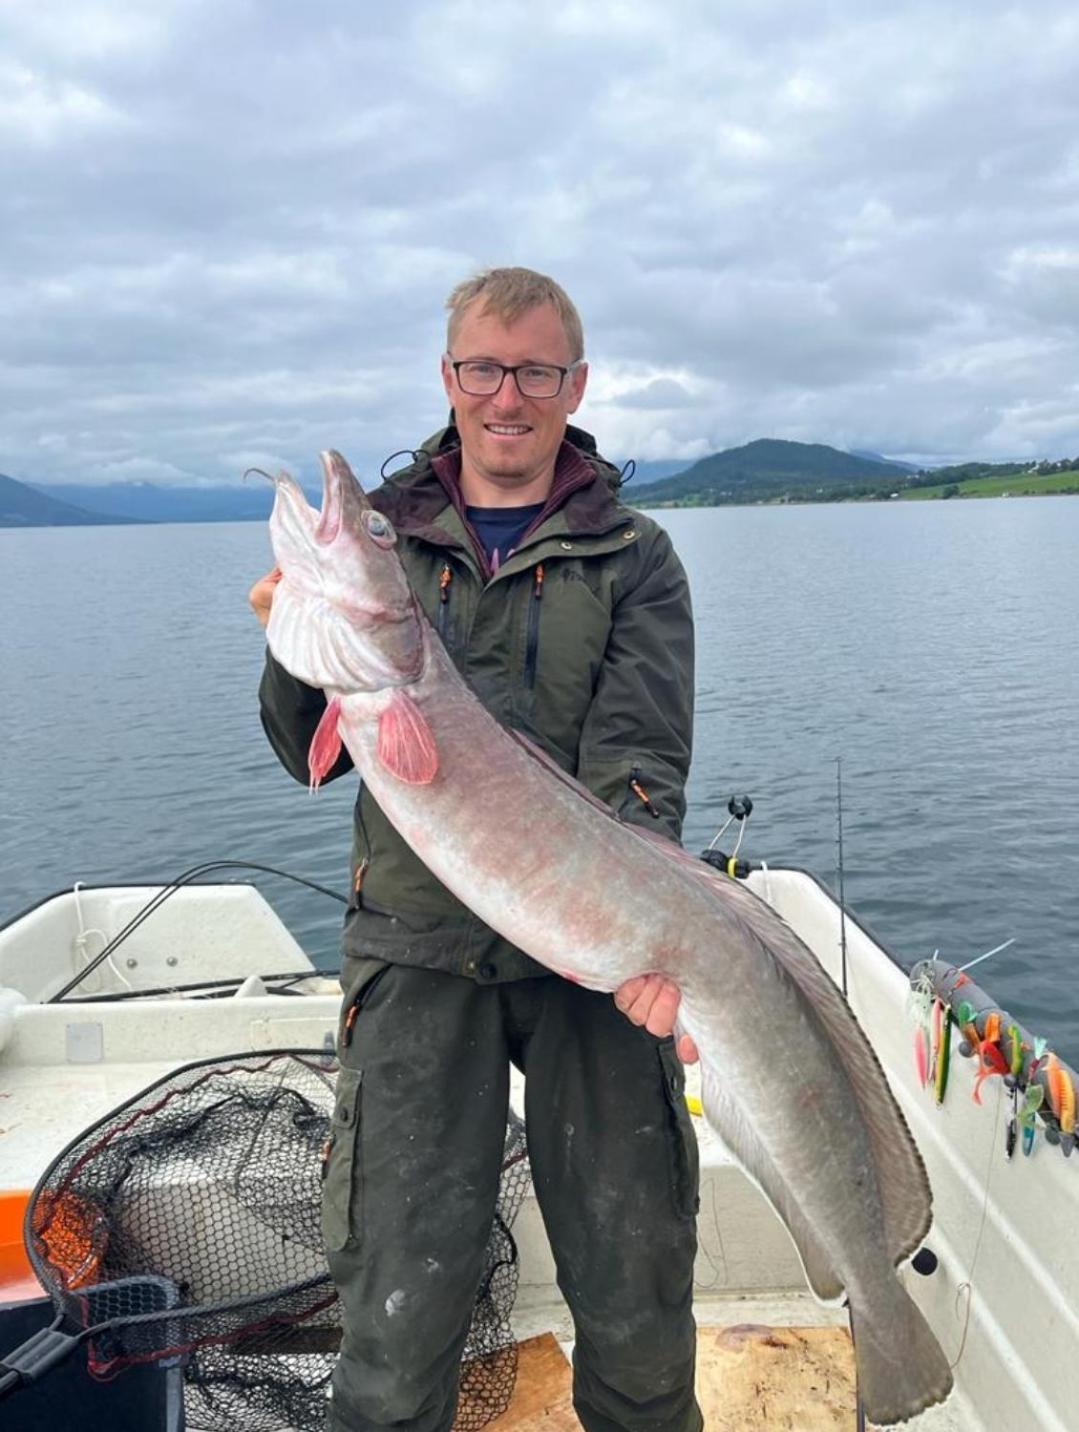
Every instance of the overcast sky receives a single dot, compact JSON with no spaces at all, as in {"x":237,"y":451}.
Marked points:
{"x":228,"y":229}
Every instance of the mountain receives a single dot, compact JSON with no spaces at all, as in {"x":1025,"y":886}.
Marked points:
{"x":888,"y":461}
{"x":143,"y":502}
{"x":25,"y":506}
{"x":772,"y":470}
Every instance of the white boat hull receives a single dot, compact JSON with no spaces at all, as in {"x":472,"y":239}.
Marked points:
{"x":1002,"y":1300}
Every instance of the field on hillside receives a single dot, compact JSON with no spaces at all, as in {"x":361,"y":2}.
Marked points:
{"x":1016,"y":484}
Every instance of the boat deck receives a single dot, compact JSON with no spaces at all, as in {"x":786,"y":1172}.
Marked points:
{"x":764,"y":1364}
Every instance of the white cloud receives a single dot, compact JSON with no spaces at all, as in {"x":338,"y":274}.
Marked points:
{"x":41,"y":111}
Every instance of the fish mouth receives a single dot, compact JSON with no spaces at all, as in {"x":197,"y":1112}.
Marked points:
{"x":290,"y":502}
{"x":340,"y":490}
{"x":329,"y":519}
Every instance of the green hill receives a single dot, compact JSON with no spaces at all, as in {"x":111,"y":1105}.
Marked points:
{"x":23,"y":506}
{"x":772,"y":470}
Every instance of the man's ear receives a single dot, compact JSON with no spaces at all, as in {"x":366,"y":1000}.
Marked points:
{"x":447,"y":377}
{"x":578,"y":383}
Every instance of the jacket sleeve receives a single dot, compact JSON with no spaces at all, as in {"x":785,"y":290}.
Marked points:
{"x":639,"y":728}
{"x":290,"y":712}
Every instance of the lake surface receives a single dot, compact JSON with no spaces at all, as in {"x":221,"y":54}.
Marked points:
{"x":933,"y":646}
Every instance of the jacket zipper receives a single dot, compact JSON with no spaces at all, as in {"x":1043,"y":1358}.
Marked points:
{"x":444,"y":581}
{"x":532,"y":640}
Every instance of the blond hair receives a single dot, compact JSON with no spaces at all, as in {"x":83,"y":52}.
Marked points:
{"x":507,"y":293}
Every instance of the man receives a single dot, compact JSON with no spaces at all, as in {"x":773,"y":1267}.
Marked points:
{"x":569,"y":615}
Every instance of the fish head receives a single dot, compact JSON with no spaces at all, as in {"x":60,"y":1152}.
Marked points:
{"x":344,"y":616}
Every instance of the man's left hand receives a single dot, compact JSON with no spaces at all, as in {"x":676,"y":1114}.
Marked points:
{"x":653,"y":1000}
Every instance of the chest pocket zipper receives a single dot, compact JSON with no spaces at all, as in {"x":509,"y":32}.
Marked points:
{"x":444,"y":580}
{"x":532,"y":637}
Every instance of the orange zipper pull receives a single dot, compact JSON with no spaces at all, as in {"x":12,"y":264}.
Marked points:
{"x":641,"y":794}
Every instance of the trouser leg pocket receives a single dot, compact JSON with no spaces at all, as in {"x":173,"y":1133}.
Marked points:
{"x":342,"y":1192}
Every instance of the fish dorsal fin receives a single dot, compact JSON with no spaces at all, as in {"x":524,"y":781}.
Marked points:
{"x":901,"y":1177}
{"x":550,"y":764}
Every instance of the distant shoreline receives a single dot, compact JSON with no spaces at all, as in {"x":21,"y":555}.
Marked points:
{"x":650,"y":506}
{"x":915,"y":494}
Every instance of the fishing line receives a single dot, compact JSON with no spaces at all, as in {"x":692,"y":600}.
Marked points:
{"x":967,"y":1287}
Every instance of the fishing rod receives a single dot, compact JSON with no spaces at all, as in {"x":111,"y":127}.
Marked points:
{"x":842,"y":894}
{"x":859,"y":1406}
{"x":166,"y":893}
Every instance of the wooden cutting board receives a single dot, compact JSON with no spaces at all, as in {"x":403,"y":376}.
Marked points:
{"x":750,"y":1378}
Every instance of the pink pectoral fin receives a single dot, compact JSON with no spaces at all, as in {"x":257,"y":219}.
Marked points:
{"x":325,"y":744}
{"x":406,"y":743}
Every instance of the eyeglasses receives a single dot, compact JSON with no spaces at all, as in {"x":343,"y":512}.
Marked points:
{"x":481,"y":378}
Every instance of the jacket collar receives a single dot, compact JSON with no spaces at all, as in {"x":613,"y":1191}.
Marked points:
{"x":584,"y":490}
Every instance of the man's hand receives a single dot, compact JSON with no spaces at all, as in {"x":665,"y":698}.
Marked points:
{"x":653,"y":1000}
{"x":261,"y":595}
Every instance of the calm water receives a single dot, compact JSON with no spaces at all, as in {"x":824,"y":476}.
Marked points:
{"x":933,"y":646}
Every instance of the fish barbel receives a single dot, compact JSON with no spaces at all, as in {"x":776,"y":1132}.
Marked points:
{"x":789,"y":1080}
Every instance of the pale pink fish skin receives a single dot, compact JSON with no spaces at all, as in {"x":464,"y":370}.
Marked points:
{"x":789,"y":1081}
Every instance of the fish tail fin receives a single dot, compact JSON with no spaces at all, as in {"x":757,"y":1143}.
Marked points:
{"x":902,"y":1369}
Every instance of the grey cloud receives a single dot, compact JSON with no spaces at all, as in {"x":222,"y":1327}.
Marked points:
{"x":230,"y":229}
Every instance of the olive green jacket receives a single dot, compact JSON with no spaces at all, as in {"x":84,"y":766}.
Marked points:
{"x":582,"y":640}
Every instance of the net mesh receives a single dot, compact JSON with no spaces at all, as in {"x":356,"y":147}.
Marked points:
{"x":185,"y":1226}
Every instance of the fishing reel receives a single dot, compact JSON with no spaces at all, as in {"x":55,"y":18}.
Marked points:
{"x":740,"y":808}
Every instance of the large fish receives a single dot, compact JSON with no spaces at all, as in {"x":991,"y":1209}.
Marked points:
{"x":789,"y":1081}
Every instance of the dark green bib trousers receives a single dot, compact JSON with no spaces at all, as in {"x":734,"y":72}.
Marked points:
{"x":412,"y":1176}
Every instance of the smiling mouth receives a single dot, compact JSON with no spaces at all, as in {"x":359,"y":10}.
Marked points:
{"x":507,"y":430}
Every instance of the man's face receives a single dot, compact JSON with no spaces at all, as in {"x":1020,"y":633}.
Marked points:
{"x":508,"y":440}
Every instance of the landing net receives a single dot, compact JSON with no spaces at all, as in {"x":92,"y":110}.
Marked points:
{"x":183,"y":1228}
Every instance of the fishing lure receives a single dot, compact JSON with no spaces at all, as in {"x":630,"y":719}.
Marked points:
{"x":942,"y":1055}
{"x":919,"y":1005}
{"x":990,"y":1062}
{"x":1016,"y":1044}
{"x":1032,"y":1102}
{"x":1061,"y":1095}
{"x":921,"y":1055}
{"x":964,"y":1014}
{"x":1012,"y":1132}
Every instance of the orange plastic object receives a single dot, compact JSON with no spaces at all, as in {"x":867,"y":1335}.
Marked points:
{"x":17,"y":1280}
{"x":74,"y":1234}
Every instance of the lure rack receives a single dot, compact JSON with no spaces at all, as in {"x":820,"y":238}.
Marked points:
{"x":946,"y":1003}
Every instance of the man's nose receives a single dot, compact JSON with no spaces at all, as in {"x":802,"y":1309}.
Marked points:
{"x":508,"y":397}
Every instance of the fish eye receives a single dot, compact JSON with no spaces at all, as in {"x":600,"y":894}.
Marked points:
{"x":379,"y":528}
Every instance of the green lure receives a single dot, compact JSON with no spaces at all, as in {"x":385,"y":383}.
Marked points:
{"x":1032,"y":1102}
{"x":943,"y":1057}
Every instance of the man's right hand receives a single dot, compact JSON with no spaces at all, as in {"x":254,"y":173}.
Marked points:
{"x":261,"y":595}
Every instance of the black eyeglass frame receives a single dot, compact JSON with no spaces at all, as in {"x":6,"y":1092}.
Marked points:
{"x":563,"y":373}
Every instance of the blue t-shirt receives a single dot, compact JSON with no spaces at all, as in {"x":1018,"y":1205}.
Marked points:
{"x":501,"y":528}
